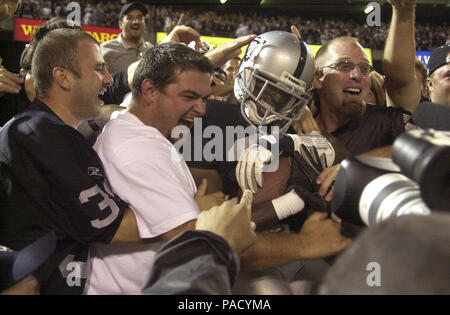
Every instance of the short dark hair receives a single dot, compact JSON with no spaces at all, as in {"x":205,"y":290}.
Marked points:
{"x":59,"y":48}
{"x":50,"y":25}
{"x":160,"y":63}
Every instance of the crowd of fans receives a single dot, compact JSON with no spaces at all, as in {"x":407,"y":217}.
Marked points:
{"x":217,"y":23}
{"x":127,"y":207}
{"x":101,"y":13}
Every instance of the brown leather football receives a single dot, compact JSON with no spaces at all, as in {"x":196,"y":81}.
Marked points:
{"x":275,"y":183}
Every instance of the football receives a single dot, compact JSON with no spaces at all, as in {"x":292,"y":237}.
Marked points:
{"x":275,"y":183}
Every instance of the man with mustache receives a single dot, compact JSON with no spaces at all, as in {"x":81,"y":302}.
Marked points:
{"x":130,"y":46}
{"x":341,"y":85}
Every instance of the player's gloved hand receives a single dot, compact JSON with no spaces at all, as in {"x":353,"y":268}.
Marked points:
{"x":256,"y":159}
{"x":312,"y":177}
{"x":250,"y":167}
{"x":316,"y":150}
{"x":305,"y":168}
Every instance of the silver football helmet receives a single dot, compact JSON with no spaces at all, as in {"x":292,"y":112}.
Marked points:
{"x":273,"y":79}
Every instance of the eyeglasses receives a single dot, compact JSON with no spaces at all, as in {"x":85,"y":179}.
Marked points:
{"x":347,"y":66}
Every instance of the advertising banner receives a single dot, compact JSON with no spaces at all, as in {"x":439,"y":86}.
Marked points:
{"x":25,"y":28}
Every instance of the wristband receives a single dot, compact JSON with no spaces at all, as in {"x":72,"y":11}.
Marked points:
{"x":288,"y":204}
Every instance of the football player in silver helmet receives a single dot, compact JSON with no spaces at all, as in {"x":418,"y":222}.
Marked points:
{"x":274,"y":78}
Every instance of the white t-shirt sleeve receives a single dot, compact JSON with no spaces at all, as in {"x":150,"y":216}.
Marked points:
{"x":158,"y":188}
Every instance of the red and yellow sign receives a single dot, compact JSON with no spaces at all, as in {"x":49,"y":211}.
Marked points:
{"x":25,"y":28}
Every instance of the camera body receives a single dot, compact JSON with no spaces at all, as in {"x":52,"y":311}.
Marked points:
{"x":415,"y":181}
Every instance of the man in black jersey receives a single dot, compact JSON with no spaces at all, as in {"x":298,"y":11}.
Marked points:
{"x":342,"y":83}
{"x":52,"y":178}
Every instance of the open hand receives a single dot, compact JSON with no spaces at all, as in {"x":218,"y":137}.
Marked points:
{"x":221,"y":54}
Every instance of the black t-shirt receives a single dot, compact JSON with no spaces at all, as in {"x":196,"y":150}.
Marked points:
{"x":54,"y":180}
{"x":377,"y":127}
{"x":12,"y":104}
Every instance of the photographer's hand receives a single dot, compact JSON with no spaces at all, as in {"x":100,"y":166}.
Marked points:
{"x":326,"y":180}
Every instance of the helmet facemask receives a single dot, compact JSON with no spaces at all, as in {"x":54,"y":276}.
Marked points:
{"x":270,"y":100}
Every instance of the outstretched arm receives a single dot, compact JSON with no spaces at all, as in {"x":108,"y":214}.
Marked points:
{"x":221,"y":54}
{"x":183,"y":34}
{"x":319,"y":237}
{"x":402,"y":87}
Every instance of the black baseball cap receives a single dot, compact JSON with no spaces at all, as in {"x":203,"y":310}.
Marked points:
{"x":132,"y":6}
{"x":438,"y":58}
{"x":17,"y":265}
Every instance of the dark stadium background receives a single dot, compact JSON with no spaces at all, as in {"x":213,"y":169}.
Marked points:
{"x":433,"y":12}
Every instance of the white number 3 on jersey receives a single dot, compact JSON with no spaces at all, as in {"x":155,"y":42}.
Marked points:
{"x":102,"y":205}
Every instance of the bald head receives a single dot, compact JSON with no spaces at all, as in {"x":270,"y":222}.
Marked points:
{"x":323,"y":53}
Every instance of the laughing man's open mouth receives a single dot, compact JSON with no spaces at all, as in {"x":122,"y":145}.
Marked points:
{"x":352,"y":91}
